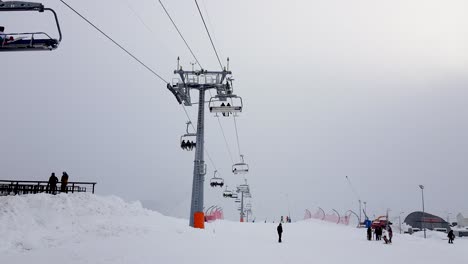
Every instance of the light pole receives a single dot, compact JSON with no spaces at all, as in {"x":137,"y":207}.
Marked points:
{"x":422,"y":218}
{"x":360,"y":211}
{"x":399,"y":220}
{"x":365,"y":208}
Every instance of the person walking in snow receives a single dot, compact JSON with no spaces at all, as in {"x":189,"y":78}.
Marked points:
{"x":369,"y":233}
{"x":53,"y":183}
{"x":280,"y":232}
{"x":451,"y":236}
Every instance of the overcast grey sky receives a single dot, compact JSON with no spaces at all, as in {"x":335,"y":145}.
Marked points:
{"x":375,"y":90}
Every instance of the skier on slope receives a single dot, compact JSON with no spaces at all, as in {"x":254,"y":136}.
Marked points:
{"x":280,"y":232}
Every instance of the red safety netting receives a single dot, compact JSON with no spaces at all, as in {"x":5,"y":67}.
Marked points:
{"x":333,"y":217}
{"x":214,"y":214}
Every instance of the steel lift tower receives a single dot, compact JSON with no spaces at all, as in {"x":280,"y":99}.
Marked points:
{"x":181,"y":87}
{"x":244,"y":189}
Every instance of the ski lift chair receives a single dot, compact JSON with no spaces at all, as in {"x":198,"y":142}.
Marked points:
{"x":227,"y":193}
{"x":241,"y":167}
{"x":188,"y":141}
{"x":237,"y":200}
{"x":33,"y":41}
{"x":220,"y":104}
{"x":234,"y":195}
{"x":216,"y":181}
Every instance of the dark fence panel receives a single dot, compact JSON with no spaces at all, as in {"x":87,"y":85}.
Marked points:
{"x":13,"y":187}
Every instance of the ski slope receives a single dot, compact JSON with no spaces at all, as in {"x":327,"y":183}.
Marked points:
{"x":84,"y":228}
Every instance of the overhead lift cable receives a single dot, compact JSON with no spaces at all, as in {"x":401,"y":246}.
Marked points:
{"x":207,"y":31}
{"x":115,"y":42}
{"x":195,"y":57}
{"x":135,"y":58}
{"x":180,"y":34}
{"x":216,"y":52}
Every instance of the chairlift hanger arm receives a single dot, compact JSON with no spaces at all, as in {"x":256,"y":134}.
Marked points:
{"x":57,"y":22}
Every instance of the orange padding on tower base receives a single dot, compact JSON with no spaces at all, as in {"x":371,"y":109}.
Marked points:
{"x":199,"y":220}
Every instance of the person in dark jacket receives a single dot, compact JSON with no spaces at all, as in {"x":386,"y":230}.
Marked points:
{"x":369,"y":233}
{"x":2,"y":35}
{"x":64,"y":182}
{"x":451,"y":236}
{"x":378,"y":232}
{"x":53,"y":183}
{"x":280,"y":232}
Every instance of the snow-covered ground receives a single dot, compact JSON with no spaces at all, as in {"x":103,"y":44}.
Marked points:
{"x":83,"y":228}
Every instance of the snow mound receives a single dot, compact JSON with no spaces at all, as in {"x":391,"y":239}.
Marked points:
{"x":36,"y":221}
{"x":85,"y":228}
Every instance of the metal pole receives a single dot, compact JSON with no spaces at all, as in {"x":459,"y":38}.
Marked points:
{"x":399,"y":220}
{"x":360,"y":211}
{"x":424,"y":213}
{"x":199,"y":163}
{"x":242,"y":207}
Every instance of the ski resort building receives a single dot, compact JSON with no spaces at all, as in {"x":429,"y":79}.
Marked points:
{"x":424,"y":220}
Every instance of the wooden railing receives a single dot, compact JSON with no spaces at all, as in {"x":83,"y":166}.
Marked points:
{"x":13,"y":187}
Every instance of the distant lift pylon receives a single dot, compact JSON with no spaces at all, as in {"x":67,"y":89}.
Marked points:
{"x":31,"y":41}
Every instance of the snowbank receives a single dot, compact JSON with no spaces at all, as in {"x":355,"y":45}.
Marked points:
{"x":84,"y":228}
{"x":40,"y":221}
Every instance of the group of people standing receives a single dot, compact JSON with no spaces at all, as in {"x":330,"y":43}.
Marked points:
{"x":53,"y":180}
{"x":378,"y":232}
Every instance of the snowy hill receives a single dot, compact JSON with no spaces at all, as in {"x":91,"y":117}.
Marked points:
{"x":83,"y":228}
